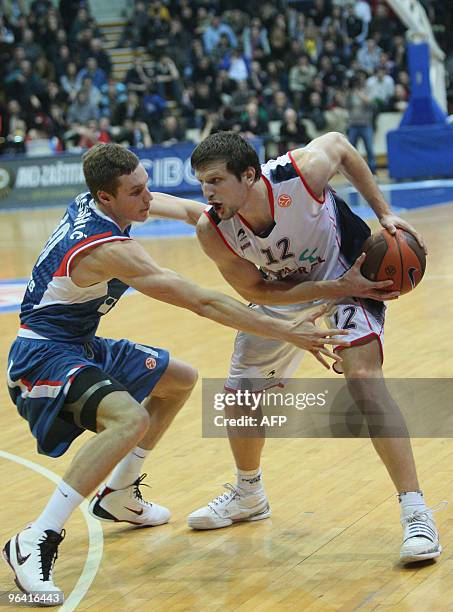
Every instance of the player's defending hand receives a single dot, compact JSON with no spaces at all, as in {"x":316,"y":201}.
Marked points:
{"x":391,"y":222}
{"x":306,"y":335}
{"x":354,"y":284}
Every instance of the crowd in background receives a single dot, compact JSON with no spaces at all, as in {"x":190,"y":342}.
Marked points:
{"x":279,"y":70}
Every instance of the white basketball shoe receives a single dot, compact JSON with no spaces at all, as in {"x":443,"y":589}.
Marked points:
{"x":230,"y":507}
{"x":127,"y":506}
{"x":420,"y":537}
{"x":31,"y":554}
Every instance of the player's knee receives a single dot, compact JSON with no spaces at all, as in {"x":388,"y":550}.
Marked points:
{"x":179,"y":379}
{"x":359,"y":372}
{"x":124,"y":413}
{"x":138,"y":420}
{"x":189,"y":377}
{"x":134,"y":419}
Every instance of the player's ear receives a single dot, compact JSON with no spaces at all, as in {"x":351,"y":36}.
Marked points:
{"x":250,"y":175}
{"x":104,"y":197}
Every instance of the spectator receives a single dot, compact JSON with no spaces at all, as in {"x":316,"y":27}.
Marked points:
{"x":80,"y":23}
{"x":113,"y":93}
{"x":399,"y":100}
{"x":383,"y":27}
{"x":241,"y":96}
{"x":381,"y":88}
{"x":336,"y":115}
{"x":178,"y":42}
{"x":157,"y":28}
{"x":212,"y":34}
{"x":278,"y":38}
{"x":293,"y":132}
{"x":102,"y":57}
{"x":97,"y":75}
{"x":62,"y":61}
{"x":352,"y":24}
{"x":25,"y":86}
{"x":237,"y":69}
{"x":6,"y":35}
{"x":138,"y":77}
{"x":15,"y":129}
{"x":130,"y":109}
{"x":68,"y":11}
{"x":300,"y":77}
{"x":168,"y":79}
{"x":278,"y":106}
{"x":69,"y":81}
{"x":172,"y":132}
{"x":134,"y":31}
{"x":255,"y":41}
{"x":361,"y":112}
{"x":93,"y":93}
{"x":314,"y":111}
{"x":252,"y":122}
{"x":369,"y":56}
{"x":203,"y":70}
{"x":81,"y":110}
{"x":32,"y":49}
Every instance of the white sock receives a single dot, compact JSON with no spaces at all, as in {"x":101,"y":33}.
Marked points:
{"x":128,"y":469}
{"x":59,"y":508}
{"x":411,"y":501}
{"x":249,"y":481}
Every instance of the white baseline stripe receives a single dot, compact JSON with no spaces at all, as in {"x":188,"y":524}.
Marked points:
{"x":95,"y":538}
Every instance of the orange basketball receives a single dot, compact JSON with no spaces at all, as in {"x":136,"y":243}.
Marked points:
{"x":399,"y":258}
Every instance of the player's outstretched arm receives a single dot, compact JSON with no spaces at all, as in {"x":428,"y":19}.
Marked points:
{"x":247,"y":280}
{"x":320,"y":160}
{"x":129,"y":262}
{"x":171,"y":207}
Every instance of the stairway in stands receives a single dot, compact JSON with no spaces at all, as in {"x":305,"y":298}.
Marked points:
{"x":122,"y":57}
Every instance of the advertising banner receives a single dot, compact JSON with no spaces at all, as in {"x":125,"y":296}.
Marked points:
{"x":27,"y":182}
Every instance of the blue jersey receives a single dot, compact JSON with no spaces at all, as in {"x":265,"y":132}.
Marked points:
{"x":54,"y":307}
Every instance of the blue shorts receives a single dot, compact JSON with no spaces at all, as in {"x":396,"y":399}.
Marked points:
{"x":40,"y":373}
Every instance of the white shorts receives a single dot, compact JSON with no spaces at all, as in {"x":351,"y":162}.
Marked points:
{"x":261,"y":363}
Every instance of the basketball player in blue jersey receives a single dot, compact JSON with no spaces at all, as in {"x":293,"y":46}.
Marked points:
{"x":64,"y":379}
{"x":282,"y":238}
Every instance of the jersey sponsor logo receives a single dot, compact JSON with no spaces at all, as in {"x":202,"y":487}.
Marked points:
{"x":284,"y":200}
{"x":310,"y":260}
{"x":150,"y":363}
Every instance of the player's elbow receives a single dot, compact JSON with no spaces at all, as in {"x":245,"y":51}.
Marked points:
{"x":194,"y":214}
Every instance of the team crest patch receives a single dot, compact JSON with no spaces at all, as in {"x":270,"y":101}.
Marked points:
{"x":284,"y":200}
{"x":150,"y":363}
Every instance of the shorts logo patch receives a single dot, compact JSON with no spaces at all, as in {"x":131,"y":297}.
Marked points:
{"x":284,"y":200}
{"x":150,"y":363}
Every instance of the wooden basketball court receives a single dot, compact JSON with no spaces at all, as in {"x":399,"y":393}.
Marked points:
{"x":333,"y":540}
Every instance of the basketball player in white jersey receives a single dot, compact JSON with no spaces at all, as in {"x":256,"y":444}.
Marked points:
{"x":280,"y":236}
{"x":64,"y":379}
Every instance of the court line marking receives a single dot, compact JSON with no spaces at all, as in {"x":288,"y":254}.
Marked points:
{"x":95,"y":538}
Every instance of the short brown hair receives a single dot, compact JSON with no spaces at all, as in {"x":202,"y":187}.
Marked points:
{"x":229,"y":147}
{"x":103,"y":165}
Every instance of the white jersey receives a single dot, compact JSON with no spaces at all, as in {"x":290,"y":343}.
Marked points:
{"x":303,"y":242}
